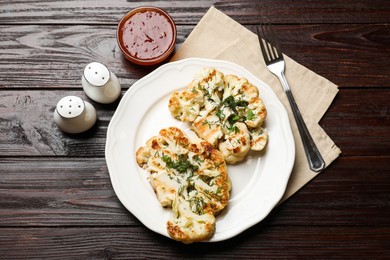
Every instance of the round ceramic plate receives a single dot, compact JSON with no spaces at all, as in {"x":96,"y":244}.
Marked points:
{"x":258,"y":182}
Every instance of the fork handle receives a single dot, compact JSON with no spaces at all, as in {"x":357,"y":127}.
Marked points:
{"x":316,"y":162}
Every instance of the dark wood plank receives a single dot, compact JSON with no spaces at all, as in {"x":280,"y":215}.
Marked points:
{"x":190,"y":12}
{"x":358,"y":121}
{"x":78,"y":192}
{"x":289,"y":242}
{"x":54,"y":192}
{"x":351,"y":191}
{"x":347,"y":55}
{"x":40,"y":56}
{"x":28,"y":128}
{"x":55,"y":56}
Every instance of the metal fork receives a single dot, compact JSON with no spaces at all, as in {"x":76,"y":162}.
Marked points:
{"x":273,"y":58}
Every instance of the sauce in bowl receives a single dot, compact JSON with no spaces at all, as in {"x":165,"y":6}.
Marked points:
{"x":146,"y":35}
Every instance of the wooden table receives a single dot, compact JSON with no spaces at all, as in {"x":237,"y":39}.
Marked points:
{"x":56,"y":198}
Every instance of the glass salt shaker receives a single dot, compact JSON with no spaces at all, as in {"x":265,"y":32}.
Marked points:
{"x":74,"y":115}
{"x":100,"y":84}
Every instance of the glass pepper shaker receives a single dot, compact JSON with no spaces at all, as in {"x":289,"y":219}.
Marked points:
{"x":100,"y":84}
{"x":74,"y":115}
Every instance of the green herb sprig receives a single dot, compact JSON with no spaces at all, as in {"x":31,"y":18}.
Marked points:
{"x":182,"y":165}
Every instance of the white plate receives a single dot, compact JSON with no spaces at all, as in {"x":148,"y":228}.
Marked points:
{"x":258,"y":183}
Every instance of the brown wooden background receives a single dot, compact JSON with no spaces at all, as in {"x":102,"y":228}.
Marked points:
{"x":56,"y":199}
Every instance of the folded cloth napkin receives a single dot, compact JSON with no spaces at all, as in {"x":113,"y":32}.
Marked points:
{"x":217,"y":36}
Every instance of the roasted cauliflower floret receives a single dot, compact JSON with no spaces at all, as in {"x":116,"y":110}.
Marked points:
{"x":203,"y":91}
{"x":187,"y":226}
{"x":165,"y":187}
{"x":185,"y":105}
{"x":190,"y":176}
{"x":225,"y":101}
{"x":259,"y":139}
{"x":239,"y":87}
{"x":236,"y":144}
{"x":256,"y":113}
{"x":208,"y":128}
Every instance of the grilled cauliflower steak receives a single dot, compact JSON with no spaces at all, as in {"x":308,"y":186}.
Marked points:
{"x":224,"y":110}
{"x":189,"y":176}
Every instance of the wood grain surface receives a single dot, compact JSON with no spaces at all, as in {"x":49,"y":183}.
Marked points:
{"x":56,"y":198}
{"x":77,"y":192}
{"x":191,"y":11}
{"x":345,"y":54}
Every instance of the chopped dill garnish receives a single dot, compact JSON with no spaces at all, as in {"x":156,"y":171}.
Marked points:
{"x":182,"y":165}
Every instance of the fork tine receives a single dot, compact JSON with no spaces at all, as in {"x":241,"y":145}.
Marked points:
{"x":263,"y":44}
{"x":268,"y":43}
{"x":269,"y":40}
{"x":273,"y":42}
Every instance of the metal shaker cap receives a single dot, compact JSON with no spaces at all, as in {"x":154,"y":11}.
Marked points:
{"x":96,"y":74}
{"x":70,"y":107}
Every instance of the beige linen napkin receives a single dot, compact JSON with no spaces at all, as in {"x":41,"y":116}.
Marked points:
{"x":217,"y":36}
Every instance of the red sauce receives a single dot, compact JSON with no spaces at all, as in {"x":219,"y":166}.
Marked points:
{"x":147,"y":34}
